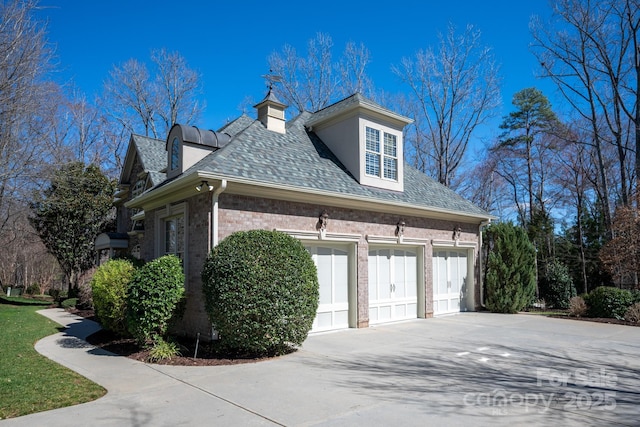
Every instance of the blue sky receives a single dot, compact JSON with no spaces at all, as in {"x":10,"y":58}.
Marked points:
{"x":228,"y":42}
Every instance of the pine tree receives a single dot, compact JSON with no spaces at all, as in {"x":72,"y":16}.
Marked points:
{"x":510,"y":269}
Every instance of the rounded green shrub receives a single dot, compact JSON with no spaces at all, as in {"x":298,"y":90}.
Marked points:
{"x":155,"y":297}
{"x":261,"y":292}
{"x":607,"y":301}
{"x":557,"y":288}
{"x":109,"y":289}
{"x":510,"y":269}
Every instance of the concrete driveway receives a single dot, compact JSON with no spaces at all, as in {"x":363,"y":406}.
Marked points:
{"x":474,"y":369}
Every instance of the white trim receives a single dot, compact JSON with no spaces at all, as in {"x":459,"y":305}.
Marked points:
{"x":393,"y":240}
{"x":153,"y":199}
{"x":139,"y":216}
{"x":454,"y":244}
{"x":321,"y":236}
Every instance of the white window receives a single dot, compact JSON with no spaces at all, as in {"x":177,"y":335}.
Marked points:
{"x":381,"y":159}
{"x":171,"y":231}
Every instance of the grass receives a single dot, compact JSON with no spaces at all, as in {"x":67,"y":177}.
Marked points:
{"x":29,"y":382}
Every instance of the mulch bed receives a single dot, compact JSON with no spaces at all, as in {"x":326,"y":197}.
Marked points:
{"x":208,"y":353}
{"x":599,"y":320}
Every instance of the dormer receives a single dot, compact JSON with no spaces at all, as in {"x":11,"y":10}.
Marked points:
{"x":187,"y":145}
{"x":367,"y":138}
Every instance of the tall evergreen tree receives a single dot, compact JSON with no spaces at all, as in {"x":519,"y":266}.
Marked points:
{"x":70,"y":213}
{"x":510,"y":269}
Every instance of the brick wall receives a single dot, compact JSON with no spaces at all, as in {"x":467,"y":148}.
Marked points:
{"x":246,"y":213}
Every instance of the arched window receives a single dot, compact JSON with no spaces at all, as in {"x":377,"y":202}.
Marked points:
{"x":175,"y":153}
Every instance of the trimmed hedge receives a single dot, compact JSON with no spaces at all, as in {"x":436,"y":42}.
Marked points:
{"x":607,"y":301}
{"x":261,"y":292}
{"x":109,"y":289}
{"x":155,"y":297}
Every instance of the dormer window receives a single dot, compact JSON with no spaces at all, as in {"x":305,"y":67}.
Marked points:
{"x":385,"y":154}
{"x":175,"y":154}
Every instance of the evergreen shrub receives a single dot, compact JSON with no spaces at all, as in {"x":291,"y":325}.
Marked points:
{"x":155,"y":297}
{"x":109,"y":289}
{"x":510,"y":269}
{"x":261,"y":292}
{"x":557,"y":288}
{"x":607,"y":301}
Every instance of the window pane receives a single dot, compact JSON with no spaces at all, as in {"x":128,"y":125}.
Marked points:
{"x":169,"y":237}
{"x":372,"y":166}
{"x":390,"y":145}
{"x":175,"y":153}
{"x":174,"y":236}
{"x":373,"y":140}
{"x":390,"y":168}
{"x":179,"y":235}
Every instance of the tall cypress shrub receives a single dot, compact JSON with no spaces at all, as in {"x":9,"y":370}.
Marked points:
{"x":510,"y":269}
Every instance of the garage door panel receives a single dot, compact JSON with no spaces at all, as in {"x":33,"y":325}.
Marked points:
{"x":392,"y":285}
{"x":333,"y":280}
{"x":449,"y":277}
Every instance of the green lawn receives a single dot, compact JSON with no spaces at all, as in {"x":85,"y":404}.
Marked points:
{"x":30,"y":382}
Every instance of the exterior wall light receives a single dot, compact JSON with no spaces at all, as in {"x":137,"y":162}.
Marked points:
{"x":205,"y":185}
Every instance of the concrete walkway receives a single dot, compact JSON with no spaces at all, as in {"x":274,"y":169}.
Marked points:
{"x":474,"y":369}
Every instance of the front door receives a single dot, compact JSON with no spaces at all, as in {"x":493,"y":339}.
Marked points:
{"x":392,"y":285}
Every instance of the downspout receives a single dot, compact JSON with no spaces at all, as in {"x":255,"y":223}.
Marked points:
{"x":482,"y":225}
{"x":214,"y":214}
{"x":213,"y":238}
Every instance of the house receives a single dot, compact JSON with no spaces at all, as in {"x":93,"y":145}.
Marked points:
{"x":389,"y":242}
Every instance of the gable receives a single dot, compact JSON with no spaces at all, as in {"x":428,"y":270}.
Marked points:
{"x":367,"y":138}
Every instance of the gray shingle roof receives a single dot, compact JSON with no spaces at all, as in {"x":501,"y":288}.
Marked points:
{"x":300,"y":159}
{"x":153,"y":155}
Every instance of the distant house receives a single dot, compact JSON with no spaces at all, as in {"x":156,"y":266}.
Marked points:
{"x":389,"y":242}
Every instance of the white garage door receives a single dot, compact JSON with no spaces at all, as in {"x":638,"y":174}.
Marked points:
{"x":449,"y":277}
{"x":333,"y":278}
{"x":392,"y":285}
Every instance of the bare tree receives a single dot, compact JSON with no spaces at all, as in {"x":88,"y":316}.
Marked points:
{"x":25,"y":59}
{"x":139,"y":100}
{"x":353,"y":73}
{"x":131,"y":98}
{"x":590,"y":51}
{"x":178,"y":88}
{"x":621,"y":255}
{"x":455,"y":89}
{"x":314,"y":81}
{"x":573,"y":172}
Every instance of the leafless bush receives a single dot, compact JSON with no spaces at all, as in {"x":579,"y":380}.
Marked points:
{"x":577,"y":307}
{"x":633,"y":313}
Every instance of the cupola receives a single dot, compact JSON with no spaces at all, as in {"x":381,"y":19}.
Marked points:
{"x":271,"y":113}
